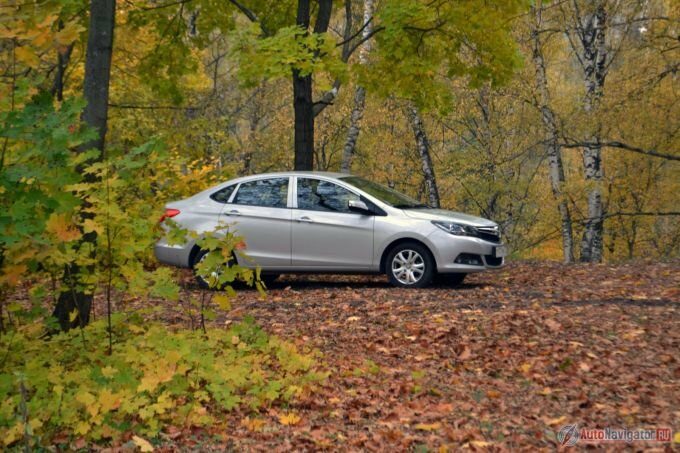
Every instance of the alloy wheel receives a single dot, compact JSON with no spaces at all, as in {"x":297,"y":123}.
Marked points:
{"x":408,"y":267}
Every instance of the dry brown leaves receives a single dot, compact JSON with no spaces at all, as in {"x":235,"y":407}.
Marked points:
{"x":499,"y":363}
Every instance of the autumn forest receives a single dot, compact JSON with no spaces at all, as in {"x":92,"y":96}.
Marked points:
{"x":559,"y":120}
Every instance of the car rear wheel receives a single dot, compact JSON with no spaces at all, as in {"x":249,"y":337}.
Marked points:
{"x":204,"y":280}
{"x":268,"y":279}
{"x":410,"y":265}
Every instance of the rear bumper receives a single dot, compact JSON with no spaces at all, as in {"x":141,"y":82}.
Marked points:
{"x":447,"y":248}
{"x":174,"y":255}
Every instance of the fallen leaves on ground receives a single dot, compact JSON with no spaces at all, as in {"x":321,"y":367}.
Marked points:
{"x":503,"y":361}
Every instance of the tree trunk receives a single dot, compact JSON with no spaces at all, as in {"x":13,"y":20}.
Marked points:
{"x":485,"y":138}
{"x":359,"y":94}
{"x":78,"y":295}
{"x":303,"y":102}
{"x":594,"y":65}
{"x":304,"y":121}
{"x":552,"y":147}
{"x":63,"y":58}
{"x":423,"y":145}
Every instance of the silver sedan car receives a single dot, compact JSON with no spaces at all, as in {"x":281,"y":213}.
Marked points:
{"x":333,"y":222}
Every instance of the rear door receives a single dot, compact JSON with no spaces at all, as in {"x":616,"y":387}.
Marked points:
{"x":326,"y":234}
{"x":259,"y":211}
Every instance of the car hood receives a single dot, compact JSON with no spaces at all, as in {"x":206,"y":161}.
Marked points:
{"x":451,"y":216}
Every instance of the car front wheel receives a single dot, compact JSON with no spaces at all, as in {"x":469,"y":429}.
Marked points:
{"x":410,"y":265}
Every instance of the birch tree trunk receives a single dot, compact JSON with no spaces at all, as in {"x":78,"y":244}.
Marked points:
{"x":423,"y":145}
{"x":486,"y":140}
{"x":552,"y":147}
{"x":359,"y":94}
{"x":594,"y":59}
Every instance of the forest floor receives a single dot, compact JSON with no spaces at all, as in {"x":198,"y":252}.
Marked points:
{"x":505,"y":360}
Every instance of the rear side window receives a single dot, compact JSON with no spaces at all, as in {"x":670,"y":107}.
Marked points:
{"x":272,"y":193}
{"x":222,"y":195}
{"x":317,"y":195}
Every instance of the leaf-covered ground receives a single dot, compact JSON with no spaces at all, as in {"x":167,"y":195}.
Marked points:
{"x":503,"y":361}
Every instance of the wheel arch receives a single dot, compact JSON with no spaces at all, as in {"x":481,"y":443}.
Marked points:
{"x":196,"y":249}
{"x":404,"y":240}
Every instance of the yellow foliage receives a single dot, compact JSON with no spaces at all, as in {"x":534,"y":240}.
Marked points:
{"x":289,"y":419}
{"x":62,"y":228}
{"x":143,"y":444}
{"x":27,"y":56}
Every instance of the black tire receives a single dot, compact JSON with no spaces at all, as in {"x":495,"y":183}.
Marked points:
{"x":450,"y":279}
{"x":412,"y":255}
{"x":268,"y":279}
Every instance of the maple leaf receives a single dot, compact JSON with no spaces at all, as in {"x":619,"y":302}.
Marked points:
{"x":553,"y":325}
{"x":465,"y":354}
{"x":108,"y":400}
{"x":68,"y":34}
{"x":12,"y":273}
{"x":73,"y":315}
{"x":58,"y":225}
{"x":223,"y":301}
{"x":90,"y":225}
{"x":109,"y":371}
{"x":253,"y":424}
{"x":289,"y":419}
{"x":143,"y":444}
{"x":27,"y":56}
{"x":494,"y":394}
{"x":556,"y":421}
{"x":428,"y":427}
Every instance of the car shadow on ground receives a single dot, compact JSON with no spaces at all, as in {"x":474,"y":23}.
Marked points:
{"x":313,"y":282}
{"x":349,"y":282}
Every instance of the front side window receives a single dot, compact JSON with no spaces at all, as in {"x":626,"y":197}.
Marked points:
{"x":272,"y":193}
{"x":317,"y":195}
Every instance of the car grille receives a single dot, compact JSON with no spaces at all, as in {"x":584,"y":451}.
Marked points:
{"x":491,"y":234}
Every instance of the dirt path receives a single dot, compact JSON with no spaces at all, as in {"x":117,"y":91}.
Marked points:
{"x":503,"y":361}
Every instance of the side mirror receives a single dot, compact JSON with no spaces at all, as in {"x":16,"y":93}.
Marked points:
{"x":359,"y":207}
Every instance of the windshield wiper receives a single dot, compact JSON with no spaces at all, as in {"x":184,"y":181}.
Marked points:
{"x":410,"y":206}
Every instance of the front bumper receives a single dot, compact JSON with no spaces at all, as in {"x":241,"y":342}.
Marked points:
{"x":447,"y":248}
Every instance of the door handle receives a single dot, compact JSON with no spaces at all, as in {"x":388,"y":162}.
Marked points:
{"x":234,"y":212}
{"x":304,"y":218}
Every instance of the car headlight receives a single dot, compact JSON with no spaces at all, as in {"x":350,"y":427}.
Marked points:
{"x":455,"y":228}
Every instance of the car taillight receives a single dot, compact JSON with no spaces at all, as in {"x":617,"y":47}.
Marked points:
{"x":169,"y":213}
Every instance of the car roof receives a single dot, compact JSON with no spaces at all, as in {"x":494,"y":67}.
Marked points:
{"x":327,"y":174}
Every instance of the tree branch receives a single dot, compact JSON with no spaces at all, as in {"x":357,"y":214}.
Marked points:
{"x":248,"y":12}
{"x":164,"y":5}
{"x":150,"y":107}
{"x":634,"y":149}
{"x":363,"y":40}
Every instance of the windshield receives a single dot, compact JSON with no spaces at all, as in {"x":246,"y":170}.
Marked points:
{"x":383,"y":193}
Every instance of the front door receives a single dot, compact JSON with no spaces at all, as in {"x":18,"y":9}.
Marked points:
{"x":326,"y":234}
{"x":260,"y":214}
